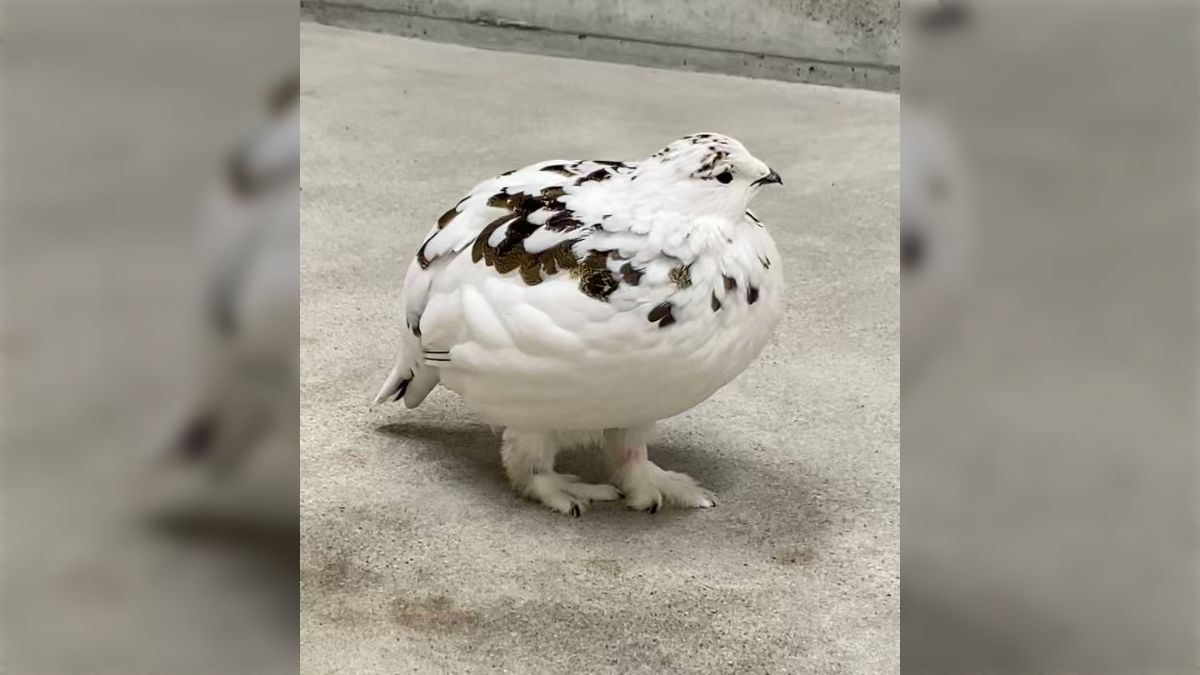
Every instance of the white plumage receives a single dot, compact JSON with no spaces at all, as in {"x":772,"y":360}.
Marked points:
{"x":579,"y":302}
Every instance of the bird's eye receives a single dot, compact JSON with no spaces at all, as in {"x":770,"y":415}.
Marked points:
{"x":725,"y":176}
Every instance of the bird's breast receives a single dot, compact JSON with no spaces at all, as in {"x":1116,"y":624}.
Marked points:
{"x":650,"y":350}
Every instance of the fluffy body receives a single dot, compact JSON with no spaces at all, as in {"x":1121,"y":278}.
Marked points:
{"x":578,"y":302}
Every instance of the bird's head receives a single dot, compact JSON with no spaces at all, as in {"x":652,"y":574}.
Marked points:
{"x":709,"y":171}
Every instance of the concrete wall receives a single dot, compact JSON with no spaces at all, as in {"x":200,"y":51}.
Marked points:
{"x":839,"y":42}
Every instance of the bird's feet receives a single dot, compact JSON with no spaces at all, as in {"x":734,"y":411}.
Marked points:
{"x":566,"y":494}
{"x":647,"y":487}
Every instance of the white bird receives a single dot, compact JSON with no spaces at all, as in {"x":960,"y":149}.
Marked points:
{"x":576,"y":303}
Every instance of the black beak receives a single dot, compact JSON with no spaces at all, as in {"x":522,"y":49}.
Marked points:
{"x":769,"y":178}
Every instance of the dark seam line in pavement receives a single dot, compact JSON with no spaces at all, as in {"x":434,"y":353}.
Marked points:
{"x":517,"y":25}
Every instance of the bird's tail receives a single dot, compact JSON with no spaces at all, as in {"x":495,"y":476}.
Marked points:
{"x":397,"y":381}
{"x":410,"y":381}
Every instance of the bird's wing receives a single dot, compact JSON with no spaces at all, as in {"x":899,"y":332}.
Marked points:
{"x":541,"y":191}
{"x":523,"y":220}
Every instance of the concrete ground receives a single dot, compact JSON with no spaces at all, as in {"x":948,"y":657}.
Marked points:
{"x":415,"y":554}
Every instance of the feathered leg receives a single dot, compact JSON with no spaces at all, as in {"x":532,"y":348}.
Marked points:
{"x":646,"y":486}
{"x":528,"y":459}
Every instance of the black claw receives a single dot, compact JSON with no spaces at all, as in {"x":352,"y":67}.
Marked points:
{"x":654,"y":507}
{"x":575,"y":510}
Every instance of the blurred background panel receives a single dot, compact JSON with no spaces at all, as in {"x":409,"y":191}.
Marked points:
{"x":1049,"y":315}
{"x":146,"y":205}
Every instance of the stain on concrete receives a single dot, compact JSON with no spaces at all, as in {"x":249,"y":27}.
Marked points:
{"x":337,"y":571}
{"x":795,"y":557}
{"x":433,"y":614}
{"x":606,"y":566}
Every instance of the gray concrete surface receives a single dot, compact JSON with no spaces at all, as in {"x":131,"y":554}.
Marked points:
{"x":853,"y":43}
{"x":415,"y":554}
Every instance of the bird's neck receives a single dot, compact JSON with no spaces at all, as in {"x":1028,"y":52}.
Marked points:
{"x":683,"y":222}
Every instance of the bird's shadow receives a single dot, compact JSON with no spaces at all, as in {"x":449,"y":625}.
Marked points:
{"x":474,"y":452}
{"x":470,"y":455}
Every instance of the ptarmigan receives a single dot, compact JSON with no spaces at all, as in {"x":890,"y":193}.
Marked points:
{"x":576,"y":303}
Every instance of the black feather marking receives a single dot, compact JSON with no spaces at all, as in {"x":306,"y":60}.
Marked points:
{"x":421,"y":259}
{"x":450,"y":215}
{"x":600,"y":285}
{"x":595,"y":176}
{"x":716,"y":304}
{"x":561,"y":221}
{"x":766,"y":262}
{"x":501,"y":200}
{"x":730,"y":282}
{"x":510,"y":255}
{"x":551,"y":194}
{"x":480,"y":248}
{"x":447,"y":217}
{"x":560,"y":169}
{"x":630,"y":274}
{"x":708,"y":166}
{"x":595,"y":279}
{"x":681,"y":276}
{"x":518,"y":230}
{"x":751,"y":295}
{"x":662,"y":314}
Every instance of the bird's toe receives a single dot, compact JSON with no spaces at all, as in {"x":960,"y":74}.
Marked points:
{"x":593,"y":493}
{"x":565,"y":494}
{"x":648,"y":488}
